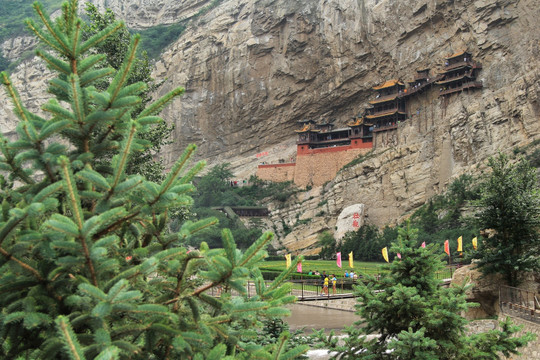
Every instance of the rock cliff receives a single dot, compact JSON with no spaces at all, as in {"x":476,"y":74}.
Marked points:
{"x":253,"y":68}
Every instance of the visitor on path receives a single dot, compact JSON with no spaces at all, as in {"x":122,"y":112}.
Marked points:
{"x":317,"y":272}
{"x":325,"y":286}
{"x":334,"y":283}
{"x":310,"y":272}
{"x":346,"y":274}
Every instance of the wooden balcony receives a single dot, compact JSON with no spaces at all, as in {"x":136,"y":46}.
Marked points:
{"x":385,"y":127}
{"x":464,"y":86}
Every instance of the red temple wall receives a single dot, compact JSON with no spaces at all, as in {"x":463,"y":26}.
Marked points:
{"x":314,"y":166}
{"x":317,"y":166}
{"x":276,"y":172}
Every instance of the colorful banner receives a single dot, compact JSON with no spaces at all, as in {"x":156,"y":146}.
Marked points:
{"x":424,"y":244}
{"x":338,"y":259}
{"x":299,"y":267}
{"x":460,"y":244}
{"x":385,"y":254}
{"x":399,"y":255}
{"x":475,"y":243}
{"x":351,"y":260}
{"x":447,"y":247}
{"x":288,"y":259}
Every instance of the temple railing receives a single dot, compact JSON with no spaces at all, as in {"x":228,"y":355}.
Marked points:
{"x":464,"y":86}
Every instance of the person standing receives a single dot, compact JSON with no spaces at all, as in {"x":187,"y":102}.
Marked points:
{"x":334,"y":283}
{"x":325,"y":286}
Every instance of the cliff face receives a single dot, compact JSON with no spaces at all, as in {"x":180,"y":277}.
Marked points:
{"x":253,"y":68}
{"x":139,"y":14}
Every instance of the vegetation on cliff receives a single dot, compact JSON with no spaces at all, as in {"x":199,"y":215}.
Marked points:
{"x":88,"y":268}
{"x":509,"y":208}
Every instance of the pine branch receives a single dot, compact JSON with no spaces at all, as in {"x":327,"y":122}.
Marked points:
{"x":72,"y":346}
{"x":19,"y":110}
{"x":157,"y":106}
{"x":123,"y":73}
{"x":176,"y":169}
{"x":11,"y":224}
{"x":56,"y":35}
{"x":24,"y":265}
{"x":75,"y":205}
{"x":120,"y":165}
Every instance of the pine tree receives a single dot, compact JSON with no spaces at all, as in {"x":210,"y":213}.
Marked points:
{"x":509,"y":205}
{"x":87,"y":266}
{"x":115,"y":47}
{"x":408,"y":315}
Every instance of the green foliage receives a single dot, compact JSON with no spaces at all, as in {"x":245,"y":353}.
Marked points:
{"x":274,"y":327}
{"x":510,"y":206}
{"x":88,"y":268}
{"x":366,"y":243}
{"x":328,"y":245}
{"x":443,"y":216}
{"x":413,"y":317}
{"x":153,"y":138}
{"x":155,"y":39}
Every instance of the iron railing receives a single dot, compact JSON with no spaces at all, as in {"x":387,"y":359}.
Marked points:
{"x":520,"y":303}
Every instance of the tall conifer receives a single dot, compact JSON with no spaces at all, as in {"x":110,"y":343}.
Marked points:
{"x":87,"y":266}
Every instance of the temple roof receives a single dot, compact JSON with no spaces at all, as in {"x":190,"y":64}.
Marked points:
{"x":307,"y":128}
{"x":388,"y":84}
{"x":459,"y":53}
{"x":359,"y":121}
{"x":383,"y":99}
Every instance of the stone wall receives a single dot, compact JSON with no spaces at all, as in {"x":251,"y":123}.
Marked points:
{"x":530,"y":352}
{"x":336,"y":304}
{"x":317,"y":166}
{"x":313,"y":167}
{"x":276,"y":172}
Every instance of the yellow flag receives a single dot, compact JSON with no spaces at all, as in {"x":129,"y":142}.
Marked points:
{"x":288,"y":258}
{"x":351,"y":261}
{"x":475,"y":243}
{"x":459,"y":244}
{"x":385,"y":254}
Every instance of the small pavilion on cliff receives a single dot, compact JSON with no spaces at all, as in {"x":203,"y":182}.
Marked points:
{"x":323,"y":135}
{"x":388,"y":108}
{"x":459,"y":74}
{"x":422,"y":82}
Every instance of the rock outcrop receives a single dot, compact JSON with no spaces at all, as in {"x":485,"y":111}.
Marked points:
{"x":253,"y":68}
{"x":140,"y":14}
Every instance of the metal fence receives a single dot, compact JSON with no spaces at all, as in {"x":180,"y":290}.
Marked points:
{"x":310,"y":288}
{"x":520,"y":303}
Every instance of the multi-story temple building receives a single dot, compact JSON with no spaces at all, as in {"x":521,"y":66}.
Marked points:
{"x":388,"y":107}
{"x":459,"y":74}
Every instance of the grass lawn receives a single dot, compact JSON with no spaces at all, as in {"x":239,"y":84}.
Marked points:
{"x":329,"y":266}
